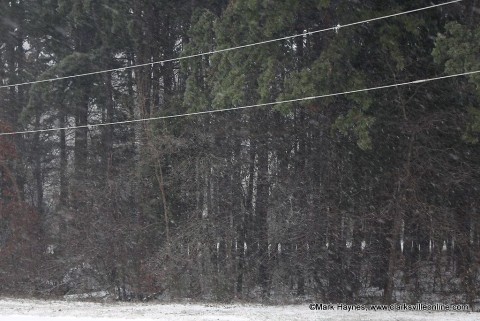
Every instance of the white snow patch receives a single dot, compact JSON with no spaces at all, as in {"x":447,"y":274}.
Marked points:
{"x":91,"y":295}
{"x":37,"y":310}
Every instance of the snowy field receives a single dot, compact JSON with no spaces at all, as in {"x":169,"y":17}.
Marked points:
{"x":32,"y":310}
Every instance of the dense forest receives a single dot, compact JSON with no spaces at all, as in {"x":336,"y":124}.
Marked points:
{"x":363,"y":197}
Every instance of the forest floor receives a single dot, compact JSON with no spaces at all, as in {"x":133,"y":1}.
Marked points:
{"x":38,"y":310}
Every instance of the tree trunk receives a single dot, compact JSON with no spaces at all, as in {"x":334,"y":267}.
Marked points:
{"x":63,"y":160}
{"x":392,"y":257}
{"x":261,"y":211}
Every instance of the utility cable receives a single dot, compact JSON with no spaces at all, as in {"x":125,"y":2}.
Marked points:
{"x":335,"y":28}
{"x":243,"y":107}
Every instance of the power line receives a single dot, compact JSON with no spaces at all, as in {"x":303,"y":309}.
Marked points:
{"x":244,"y":107}
{"x":335,"y":28}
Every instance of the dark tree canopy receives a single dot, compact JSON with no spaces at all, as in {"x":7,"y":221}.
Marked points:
{"x":364,"y":197}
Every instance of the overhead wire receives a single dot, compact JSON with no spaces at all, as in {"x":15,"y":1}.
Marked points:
{"x":334,"y":28}
{"x":212,"y":111}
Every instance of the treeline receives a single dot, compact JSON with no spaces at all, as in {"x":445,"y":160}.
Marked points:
{"x":371,"y":196}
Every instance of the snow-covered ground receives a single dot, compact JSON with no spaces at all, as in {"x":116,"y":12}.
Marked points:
{"x":37,"y":310}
